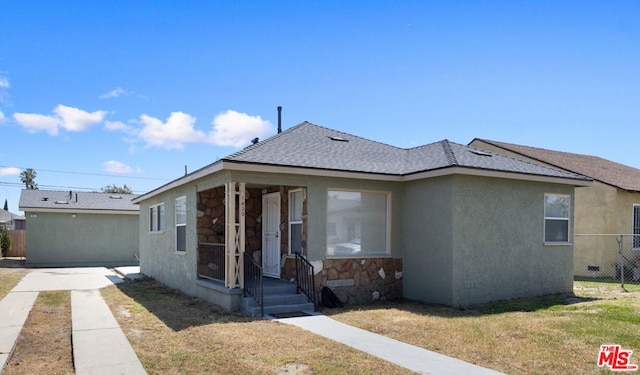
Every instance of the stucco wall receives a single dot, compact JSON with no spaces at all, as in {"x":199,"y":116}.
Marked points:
{"x":58,"y":239}
{"x":499,"y":249}
{"x":476,"y":239}
{"x":427,"y":240}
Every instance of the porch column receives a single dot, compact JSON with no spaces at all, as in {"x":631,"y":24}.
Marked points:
{"x":235,"y":233}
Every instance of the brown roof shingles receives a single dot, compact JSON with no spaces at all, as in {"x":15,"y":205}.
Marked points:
{"x":603,"y":170}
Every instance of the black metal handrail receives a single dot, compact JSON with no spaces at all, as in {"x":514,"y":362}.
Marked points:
{"x":305,"y":281}
{"x":253,"y":285}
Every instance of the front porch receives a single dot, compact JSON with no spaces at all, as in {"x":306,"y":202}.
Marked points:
{"x":236,"y":222}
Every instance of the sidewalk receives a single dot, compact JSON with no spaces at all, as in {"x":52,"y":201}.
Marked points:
{"x":99,"y":345}
{"x":412,"y":357}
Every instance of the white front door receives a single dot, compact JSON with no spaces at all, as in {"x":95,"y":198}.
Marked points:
{"x":271,"y":235}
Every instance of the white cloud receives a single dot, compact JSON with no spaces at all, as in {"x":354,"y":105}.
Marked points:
{"x":119,"y":126}
{"x":10,"y":171}
{"x":76,"y":120}
{"x":118,"y":91}
{"x":4,"y":86}
{"x":113,"y":166}
{"x":172,"y":134}
{"x":237,"y":129}
{"x":2,"y":117}
{"x":34,"y":122}
{"x":68,"y":118}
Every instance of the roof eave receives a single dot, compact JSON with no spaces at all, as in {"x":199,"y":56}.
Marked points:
{"x":496,"y":174}
{"x":78,"y":210}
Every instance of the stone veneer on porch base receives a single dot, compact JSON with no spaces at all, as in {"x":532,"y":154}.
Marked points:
{"x":362,"y":280}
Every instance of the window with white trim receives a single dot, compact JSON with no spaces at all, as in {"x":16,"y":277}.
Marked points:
{"x":156,"y":218}
{"x":358,"y":223}
{"x":556,"y":218}
{"x":295,"y":221}
{"x":635,"y":230}
{"x":181,"y":224}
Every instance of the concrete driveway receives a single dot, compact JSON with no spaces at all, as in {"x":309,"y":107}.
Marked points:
{"x":99,"y":345}
{"x":81,"y":278}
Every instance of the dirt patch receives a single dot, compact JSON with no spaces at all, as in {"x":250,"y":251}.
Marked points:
{"x":44,"y":344}
{"x":295,"y":369}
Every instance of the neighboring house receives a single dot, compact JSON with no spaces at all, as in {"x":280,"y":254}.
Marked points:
{"x":80,"y":229}
{"x":11,"y":221}
{"x":610,"y":206}
{"x":442,"y":223}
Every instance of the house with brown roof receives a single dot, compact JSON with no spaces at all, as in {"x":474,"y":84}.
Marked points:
{"x":312,"y":207}
{"x":609,"y":206}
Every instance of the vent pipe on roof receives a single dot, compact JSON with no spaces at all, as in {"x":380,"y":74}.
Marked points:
{"x":70,"y":194}
{"x":279,"y":119}
{"x":76,"y":197}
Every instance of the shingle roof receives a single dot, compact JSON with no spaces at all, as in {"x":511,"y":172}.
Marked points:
{"x":6,"y":216}
{"x":603,"y":170}
{"x":75,"y":201}
{"x":311,"y":146}
{"x":316,"y":147}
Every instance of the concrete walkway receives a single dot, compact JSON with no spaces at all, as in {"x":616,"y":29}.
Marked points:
{"x":99,"y":345}
{"x":408,"y":356}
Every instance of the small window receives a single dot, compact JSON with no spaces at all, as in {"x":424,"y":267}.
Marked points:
{"x":556,"y":218}
{"x":295,"y":221}
{"x":181,"y":224}
{"x":635,"y":230}
{"x":156,"y":218}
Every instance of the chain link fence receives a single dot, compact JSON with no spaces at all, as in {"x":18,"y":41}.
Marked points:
{"x":607,"y":257}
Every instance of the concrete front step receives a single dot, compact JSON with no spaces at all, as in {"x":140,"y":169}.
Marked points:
{"x":279,"y":297}
{"x":254,"y":310}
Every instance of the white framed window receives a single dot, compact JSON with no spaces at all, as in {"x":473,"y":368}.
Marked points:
{"x":295,"y":221}
{"x":358,"y":223}
{"x":635,"y":229}
{"x":156,"y":218}
{"x":181,"y":224}
{"x":556,"y":218}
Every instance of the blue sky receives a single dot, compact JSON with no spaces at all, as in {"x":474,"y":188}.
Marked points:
{"x":94,"y":93}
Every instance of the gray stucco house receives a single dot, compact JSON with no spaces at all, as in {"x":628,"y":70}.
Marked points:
{"x":441,"y":223}
{"x":66,"y":228}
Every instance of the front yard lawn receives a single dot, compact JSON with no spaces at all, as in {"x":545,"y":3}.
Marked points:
{"x":547,"y":335}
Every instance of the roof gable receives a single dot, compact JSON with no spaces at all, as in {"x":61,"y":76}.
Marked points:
{"x":611,"y":173}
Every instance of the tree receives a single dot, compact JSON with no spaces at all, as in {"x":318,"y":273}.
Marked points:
{"x":5,"y":242}
{"x":6,"y":205}
{"x":28,"y":177}
{"x":114,"y":189}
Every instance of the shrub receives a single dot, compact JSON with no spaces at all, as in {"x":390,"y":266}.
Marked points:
{"x":5,"y":242}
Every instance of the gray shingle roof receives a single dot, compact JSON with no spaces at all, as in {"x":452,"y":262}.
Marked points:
{"x":65,"y":200}
{"x":311,"y":146}
{"x":315,"y":147}
{"x":6,"y":216}
{"x":606,"y":171}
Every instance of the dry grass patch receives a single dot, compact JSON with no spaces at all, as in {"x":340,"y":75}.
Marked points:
{"x":9,"y":277}
{"x":173,"y":333}
{"x":556,"y":334}
{"x":44,"y":344}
